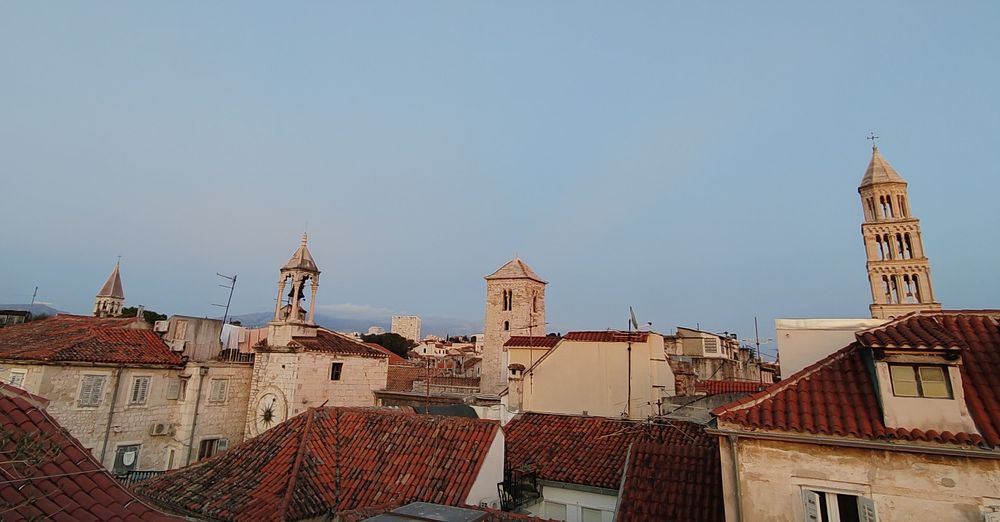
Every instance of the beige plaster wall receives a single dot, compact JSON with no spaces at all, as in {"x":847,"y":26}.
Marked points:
{"x":802,"y":342}
{"x":905,"y":487}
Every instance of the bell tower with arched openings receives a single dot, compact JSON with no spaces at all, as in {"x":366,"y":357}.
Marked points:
{"x":898,"y":269}
{"x":515,"y":305}
{"x":291,"y":319}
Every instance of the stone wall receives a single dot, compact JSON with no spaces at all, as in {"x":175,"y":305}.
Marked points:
{"x":526,"y":317}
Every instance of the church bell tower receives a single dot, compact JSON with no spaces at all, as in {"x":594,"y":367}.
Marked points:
{"x":898,"y":269}
{"x":291,"y":319}
{"x":111,"y":297}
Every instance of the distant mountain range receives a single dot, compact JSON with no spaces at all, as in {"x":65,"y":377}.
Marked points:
{"x":429,"y":325}
{"x":36,"y":309}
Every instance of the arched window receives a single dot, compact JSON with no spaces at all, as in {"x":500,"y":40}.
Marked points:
{"x":908,"y":246}
{"x":506,"y":326}
{"x":886,"y":290}
{"x":888,"y":203}
{"x":881,"y":251}
{"x":885,"y":245}
{"x":899,"y":246}
{"x":916,"y":289}
{"x":902,"y":207}
{"x":894,"y":285}
{"x":871,"y":209}
{"x":507,"y":299}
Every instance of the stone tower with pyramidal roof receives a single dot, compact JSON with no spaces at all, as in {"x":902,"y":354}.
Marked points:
{"x":515,"y":305}
{"x":111,"y":297}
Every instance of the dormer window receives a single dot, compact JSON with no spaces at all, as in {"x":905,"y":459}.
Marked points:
{"x":911,"y":380}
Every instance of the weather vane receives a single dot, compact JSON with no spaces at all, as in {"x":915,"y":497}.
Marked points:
{"x":873,"y":137}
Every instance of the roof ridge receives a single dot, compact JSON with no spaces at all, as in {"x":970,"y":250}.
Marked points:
{"x":293,"y":476}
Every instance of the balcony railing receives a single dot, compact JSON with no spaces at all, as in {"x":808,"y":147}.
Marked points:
{"x":235,"y":356}
{"x":131,"y":477}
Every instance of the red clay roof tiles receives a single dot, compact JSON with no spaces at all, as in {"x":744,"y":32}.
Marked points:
{"x":335,"y":343}
{"x":675,"y":482}
{"x":837,"y":396}
{"x":49,"y":476}
{"x":607,"y":336}
{"x":588,"y":451}
{"x":710,"y":387}
{"x":70,"y":338}
{"x":332,"y":459}
{"x":537,"y":341}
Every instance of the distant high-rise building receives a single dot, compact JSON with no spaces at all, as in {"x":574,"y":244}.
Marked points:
{"x":407,"y":326}
{"x":111,"y":297}
{"x":376,"y":330}
{"x":898,"y":270}
{"x":515,"y":305}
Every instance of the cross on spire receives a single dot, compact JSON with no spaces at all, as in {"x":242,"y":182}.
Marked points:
{"x":873,"y":137}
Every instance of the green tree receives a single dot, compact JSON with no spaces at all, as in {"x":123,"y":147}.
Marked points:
{"x":395,"y":343}
{"x":148,"y":315}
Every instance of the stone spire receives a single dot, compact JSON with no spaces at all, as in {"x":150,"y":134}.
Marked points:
{"x":515,"y":305}
{"x":290,"y":318}
{"x":898,"y":270}
{"x":111,"y":297}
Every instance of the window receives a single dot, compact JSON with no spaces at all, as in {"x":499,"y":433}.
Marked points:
{"x":910,"y":380}
{"x":824,"y":506}
{"x":140,"y":390}
{"x":592,"y":515}
{"x":126,"y":459}
{"x":710,"y":344}
{"x":555,"y":510}
{"x":211,"y":447}
{"x":217,"y":391}
{"x":335,"y":370}
{"x":17,"y":378}
{"x":508,"y":299}
{"x":506,"y":326}
{"x":182,"y":393}
{"x":91,"y":390}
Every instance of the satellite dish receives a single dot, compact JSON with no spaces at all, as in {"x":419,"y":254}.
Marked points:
{"x":634,"y":323}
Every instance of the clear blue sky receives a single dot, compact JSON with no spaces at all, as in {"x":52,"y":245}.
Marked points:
{"x":699,"y":162}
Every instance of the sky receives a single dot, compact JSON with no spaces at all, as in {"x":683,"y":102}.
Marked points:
{"x":697,"y":161}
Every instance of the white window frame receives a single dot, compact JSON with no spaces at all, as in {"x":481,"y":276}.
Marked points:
{"x":213,"y":395}
{"x":23,"y":373}
{"x":173,"y":389}
{"x":221,"y":445}
{"x":828,"y":495}
{"x":100,"y":392}
{"x":143,"y":397}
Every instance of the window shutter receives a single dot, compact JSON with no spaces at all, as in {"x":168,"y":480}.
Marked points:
{"x":222,"y":445}
{"x":143,"y":389}
{"x":811,"y":500}
{"x":173,"y":389}
{"x":91,"y":390}
{"x":866,"y":510}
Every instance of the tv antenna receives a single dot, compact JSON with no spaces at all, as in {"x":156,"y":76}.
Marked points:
{"x":231,"y":286}
{"x":757,"y":341}
{"x":632,"y":323}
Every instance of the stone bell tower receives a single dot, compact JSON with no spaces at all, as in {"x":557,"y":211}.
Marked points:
{"x":290,"y":318}
{"x":111,"y":297}
{"x":515,"y":305}
{"x":898,"y":269}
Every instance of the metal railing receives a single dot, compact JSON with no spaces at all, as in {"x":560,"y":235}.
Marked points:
{"x":131,"y":477}
{"x":235,"y":356}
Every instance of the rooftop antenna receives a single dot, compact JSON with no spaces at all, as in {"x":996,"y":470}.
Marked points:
{"x":30,"y":306}
{"x":757,"y":340}
{"x":231,"y":286}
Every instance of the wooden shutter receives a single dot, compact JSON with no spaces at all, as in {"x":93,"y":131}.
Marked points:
{"x":91,"y":390}
{"x":811,"y":500}
{"x":866,"y":510}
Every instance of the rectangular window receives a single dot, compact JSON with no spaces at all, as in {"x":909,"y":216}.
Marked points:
{"x":335,"y":370}
{"x":555,"y":511}
{"x":17,"y":378}
{"x":711,"y":345}
{"x":182,"y":393}
{"x":140,"y":390}
{"x":126,"y":459}
{"x":209,"y":447}
{"x":825,"y":506}
{"x":218,"y":389}
{"x":592,"y":515}
{"x":91,"y":390}
{"x":910,"y":380}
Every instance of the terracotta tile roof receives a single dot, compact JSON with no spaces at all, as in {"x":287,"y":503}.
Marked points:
{"x":588,"y":451}
{"x":681,"y":483}
{"x":72,"y":338}
{"x":393,"y":358}
{"x":378,"y":457}
{"x":607,"y":336}
{"x":54,"y":477}
{"x":515,"y":269}
{"x":400,"y":377}
{"x":333,"y":342}
{"x":491,"y":515}
{"x":836,"y":396}
{"x":537,"y":341}
{"x":710,"y":387}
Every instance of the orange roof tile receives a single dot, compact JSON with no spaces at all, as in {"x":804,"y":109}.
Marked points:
{"x":332,"y":459}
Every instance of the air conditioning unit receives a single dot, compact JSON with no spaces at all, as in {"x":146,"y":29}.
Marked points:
{"x":161,"y":429}
{"x":161,"y":326}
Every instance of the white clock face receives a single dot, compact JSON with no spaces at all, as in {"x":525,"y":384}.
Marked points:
{"x":270,"y":412}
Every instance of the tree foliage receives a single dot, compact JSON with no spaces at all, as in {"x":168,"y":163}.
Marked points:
{"x":147,"y":315}
{"x":395,"y":343}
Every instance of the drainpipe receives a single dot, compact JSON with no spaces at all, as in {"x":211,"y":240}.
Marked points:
{"x":111,"y":414}
{"x":202,"y":372}
{"x":736,"y":477}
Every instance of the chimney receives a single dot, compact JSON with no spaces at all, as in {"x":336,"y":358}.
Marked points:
{"x":515,"y":388}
